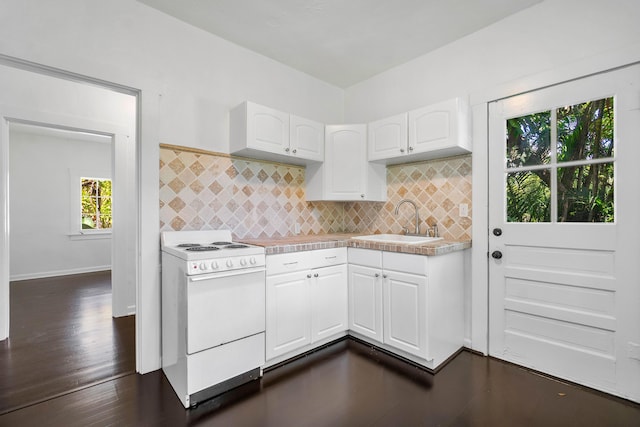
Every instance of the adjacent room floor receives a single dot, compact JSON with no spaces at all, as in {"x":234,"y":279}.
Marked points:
{"x":62,"y":339}
{"x":346,"y":384}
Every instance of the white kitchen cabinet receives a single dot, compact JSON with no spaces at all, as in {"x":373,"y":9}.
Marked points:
{"x":261,"y":132}
{"x":307,"y":301}
{"x":329,"y":302}
{"x":346,"y":174}
{"x":288,"y":323}
{"x":388,"y":138}
{"x":405,"y":312}
{"x":434,"y":131}
{"x":306,"y":138}
{"x":365,"y":301}
{"x":421,"y":303}
{"x":440,"y":130}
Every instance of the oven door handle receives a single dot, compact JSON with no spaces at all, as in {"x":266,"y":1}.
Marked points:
{"x":210,"y":276}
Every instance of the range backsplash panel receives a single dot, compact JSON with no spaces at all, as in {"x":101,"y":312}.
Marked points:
{"x":256,"y":199}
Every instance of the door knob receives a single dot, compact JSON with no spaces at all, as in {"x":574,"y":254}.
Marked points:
{"x":497,"y":232}
{"x":496,"y":254}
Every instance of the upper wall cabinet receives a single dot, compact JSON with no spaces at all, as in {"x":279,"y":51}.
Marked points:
{"x":264,"y":133}
{"x":346,"y":174}
{"x":306,"y":138}
{"x":438,"y":130}
{"x":388,"y":138}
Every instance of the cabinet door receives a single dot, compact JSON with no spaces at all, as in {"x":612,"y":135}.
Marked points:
{"x":388,"y":138}
{"x":267,"y":129}
{"x":329,"y":301}
{"x":365,"y":301}
{"x":405,"y":308}
{"x":288,"y":324}
{"x":345,"y":162}
{"x":433,"y":127}
{"x":306,"y":138}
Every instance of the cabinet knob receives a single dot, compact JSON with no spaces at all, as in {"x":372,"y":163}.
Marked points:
{"x":286,"y":150}
{"x":402,"y":150}
{"x":294,"y":151}
{"x":316,"y":275}
{"x":384,"y":276}
{"x":496,"y":254}
{"x":377,"y":275}
{"x":308,"y":276}
{"x":410,"y":148}
{"x":362,"y":196}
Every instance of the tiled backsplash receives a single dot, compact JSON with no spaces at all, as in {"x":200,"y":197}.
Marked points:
{"x":256,"y":199}
{"x":437,"y":187}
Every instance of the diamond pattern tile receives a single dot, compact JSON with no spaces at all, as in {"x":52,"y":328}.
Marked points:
{"x":257,"y":199}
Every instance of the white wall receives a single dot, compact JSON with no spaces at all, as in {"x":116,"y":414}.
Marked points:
{"x":551,"y":42}
{"x":542,"y":38}
{"x":41,"y":244}
{"x":189,"y":80}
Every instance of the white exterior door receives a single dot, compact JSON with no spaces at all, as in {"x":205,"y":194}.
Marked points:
{"x":564,"y":238}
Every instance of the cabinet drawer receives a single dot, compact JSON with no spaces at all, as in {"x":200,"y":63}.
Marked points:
{"x":406,"y":263}
{"x":328,"y":257}
{"x":367,"y":257}
{"x":287,"y":263}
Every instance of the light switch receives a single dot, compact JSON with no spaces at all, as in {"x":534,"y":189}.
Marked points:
{"x":463,"y":210}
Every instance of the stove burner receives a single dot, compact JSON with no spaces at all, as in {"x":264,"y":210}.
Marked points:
{"x":236,"y":246}
{"x":202,"y":248}
{"x":188,"y":245}
{"x":221,"y":243}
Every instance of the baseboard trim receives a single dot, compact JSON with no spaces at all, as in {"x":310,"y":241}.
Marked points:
{"x":45,"y":274}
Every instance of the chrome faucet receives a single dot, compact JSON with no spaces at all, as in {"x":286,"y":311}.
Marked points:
{"x":417,"y":215}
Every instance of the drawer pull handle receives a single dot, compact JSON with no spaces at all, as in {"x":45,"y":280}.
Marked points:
{"x":290,"y":263}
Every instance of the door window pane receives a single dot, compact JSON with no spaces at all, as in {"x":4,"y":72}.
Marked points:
{"x":585,"y":131}
{"x":578,"y":176}
{"x":585,"y":193}
{"x":528,"y":140}
{"x":528,"y":196}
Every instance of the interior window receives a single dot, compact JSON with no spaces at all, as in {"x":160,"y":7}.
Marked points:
{"x":96,"y":203}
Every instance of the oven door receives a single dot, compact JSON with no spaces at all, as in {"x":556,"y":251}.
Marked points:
{"x":224,"y":307}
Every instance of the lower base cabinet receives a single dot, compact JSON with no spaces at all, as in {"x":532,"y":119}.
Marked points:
{"x":410,"y":303}
{"x":307,"y":305}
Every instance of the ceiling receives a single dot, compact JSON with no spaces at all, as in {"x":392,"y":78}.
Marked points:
{"x":341,"y":41}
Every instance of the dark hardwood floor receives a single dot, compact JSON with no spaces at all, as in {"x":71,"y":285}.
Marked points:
{"x":62,"y":338}
{"x":346,"y":384}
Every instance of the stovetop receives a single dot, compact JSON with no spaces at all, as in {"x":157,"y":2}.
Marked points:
{"x":205,"y":244}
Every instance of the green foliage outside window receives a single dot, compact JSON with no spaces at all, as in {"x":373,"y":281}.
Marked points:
{"x":584,"y":187}
{"x":96,"y":203}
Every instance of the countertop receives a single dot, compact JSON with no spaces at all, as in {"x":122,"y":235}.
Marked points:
{"x":280,"y":245}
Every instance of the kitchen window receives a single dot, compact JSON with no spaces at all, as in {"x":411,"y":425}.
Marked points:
{"x":560,"y":164}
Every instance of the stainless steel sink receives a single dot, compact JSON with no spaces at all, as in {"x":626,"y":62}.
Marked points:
{"x":398,"y":239}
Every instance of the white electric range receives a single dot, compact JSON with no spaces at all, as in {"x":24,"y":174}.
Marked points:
{"x":213,"y":313}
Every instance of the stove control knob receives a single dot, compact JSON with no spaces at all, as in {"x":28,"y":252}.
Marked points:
{"x":214,"y":265}
{"x":252,"y":260}
{"x":203,"y":266}
{"x":229,"y":263}
{"x":243,"y":262}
